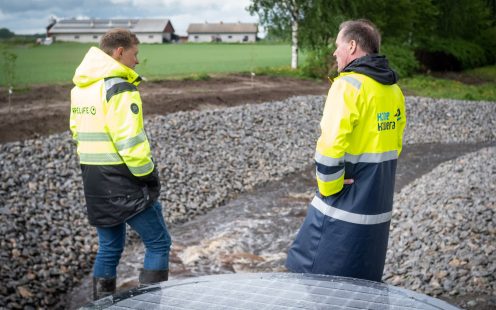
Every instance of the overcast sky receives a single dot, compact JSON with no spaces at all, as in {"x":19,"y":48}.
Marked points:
{"x":31,"y":16}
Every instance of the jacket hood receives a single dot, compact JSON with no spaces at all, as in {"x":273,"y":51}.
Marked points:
{"x":97,"y":65}
{"x":374,"y":66}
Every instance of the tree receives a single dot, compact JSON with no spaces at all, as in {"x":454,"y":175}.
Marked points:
{"x":6,"y":33}
{"x":451,"y":26}
{"x":492,"y":8}
{"x":462,"y":18}
{"x":278,"y":33}
{"x":404,"y":21}
{"x":322,"y":19}
{"x":281,"y":15}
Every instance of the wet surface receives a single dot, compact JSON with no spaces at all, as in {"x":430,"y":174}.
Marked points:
{"x":253,"y":232}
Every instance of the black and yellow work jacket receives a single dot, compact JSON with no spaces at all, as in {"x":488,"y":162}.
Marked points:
{"x":106,"y":121}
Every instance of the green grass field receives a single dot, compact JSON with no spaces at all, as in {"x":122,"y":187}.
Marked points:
{"x":57,"y":63}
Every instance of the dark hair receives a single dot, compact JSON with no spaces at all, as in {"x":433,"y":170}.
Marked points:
{"x":365,"y":34}
{"x":117,"y":37}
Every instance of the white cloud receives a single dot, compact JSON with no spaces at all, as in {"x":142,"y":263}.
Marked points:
{"x":121,"y":2}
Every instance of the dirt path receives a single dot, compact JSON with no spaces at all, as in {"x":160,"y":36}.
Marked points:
{"x":43,"y":110}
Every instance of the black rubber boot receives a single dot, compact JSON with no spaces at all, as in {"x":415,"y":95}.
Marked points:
{"x":103,"y":287}
{"x":149,"y":277}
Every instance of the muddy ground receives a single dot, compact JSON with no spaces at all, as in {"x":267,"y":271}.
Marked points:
{"x":43,"y":110}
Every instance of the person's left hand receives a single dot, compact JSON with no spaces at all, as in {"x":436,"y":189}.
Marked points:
{"x":348,"y":181}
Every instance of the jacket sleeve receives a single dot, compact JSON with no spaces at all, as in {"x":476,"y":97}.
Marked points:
{"x":339,"y":118}
{"x":124,"y":121}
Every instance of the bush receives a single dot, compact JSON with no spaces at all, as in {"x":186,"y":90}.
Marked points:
{"x":401,"y":59}
{"x":27,"y":40}
{"x":451,"y":54}
{"x":277,"y":71}
{"x":320,"y":63}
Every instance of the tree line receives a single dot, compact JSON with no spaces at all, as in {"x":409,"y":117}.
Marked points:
{"x":417,"y":34}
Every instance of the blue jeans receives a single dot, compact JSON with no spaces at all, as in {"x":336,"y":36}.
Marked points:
{"x":150,"y":225}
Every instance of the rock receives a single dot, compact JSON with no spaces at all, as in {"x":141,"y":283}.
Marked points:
{"x":24,"y":292}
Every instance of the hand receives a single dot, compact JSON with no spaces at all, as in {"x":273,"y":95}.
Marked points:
{"x":348,"y":181}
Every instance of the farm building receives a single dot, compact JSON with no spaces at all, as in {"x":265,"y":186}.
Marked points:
{"x":222,"y":32}
{"x":91,"y":30}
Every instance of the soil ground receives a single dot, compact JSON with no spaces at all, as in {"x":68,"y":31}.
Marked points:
{"x":43,"y":110}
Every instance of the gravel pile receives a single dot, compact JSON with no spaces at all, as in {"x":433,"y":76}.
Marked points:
{"x":443,"y":229}
{"x":45,"y":241}
{"x":449,"y":121}
{"x":204,"y":157}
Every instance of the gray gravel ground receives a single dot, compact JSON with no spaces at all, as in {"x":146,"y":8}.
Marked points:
{"x":208,"y":157}
{"x":443,"y":230}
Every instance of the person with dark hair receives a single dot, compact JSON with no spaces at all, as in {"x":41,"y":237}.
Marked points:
{"x":120,"y":178}
{"x":346,"y":229}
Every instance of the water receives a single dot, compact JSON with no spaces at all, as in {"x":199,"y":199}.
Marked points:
{"x":253,"y":232}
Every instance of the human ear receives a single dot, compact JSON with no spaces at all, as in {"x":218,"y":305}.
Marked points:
{"x":117,"y":54}
{"x":352,"y":46}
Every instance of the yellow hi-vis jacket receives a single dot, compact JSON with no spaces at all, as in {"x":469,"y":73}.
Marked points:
{"x":106,"y":120}
{"x":363,"y":121}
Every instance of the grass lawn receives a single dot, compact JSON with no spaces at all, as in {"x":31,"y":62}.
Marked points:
{"x":56,"y":63}
{"x":487,"y":73}
{"x":474,"y":84}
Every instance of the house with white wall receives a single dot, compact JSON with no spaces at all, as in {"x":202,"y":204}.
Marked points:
{"x":91,"y":30}
{"x":222,"y":32}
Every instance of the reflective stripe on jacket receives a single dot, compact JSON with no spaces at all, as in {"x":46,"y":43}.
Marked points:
{"x":107,"y":123}
{"x":346,"y":229}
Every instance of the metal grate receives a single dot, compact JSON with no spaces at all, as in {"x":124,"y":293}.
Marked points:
{"x":270,"y":291}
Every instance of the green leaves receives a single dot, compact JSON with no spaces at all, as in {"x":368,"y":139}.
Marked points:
{"x":467,"y":27}
{"x":8,"y":65}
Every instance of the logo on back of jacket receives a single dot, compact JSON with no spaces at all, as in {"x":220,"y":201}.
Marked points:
{"x":89,"y":110}
{"x":385,"y":122}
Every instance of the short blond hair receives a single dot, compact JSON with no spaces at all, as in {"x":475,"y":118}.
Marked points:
{"x":117,"y":37}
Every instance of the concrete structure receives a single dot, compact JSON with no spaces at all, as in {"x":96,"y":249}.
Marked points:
{"x":91,"y":30}
{"x":222,"y":32}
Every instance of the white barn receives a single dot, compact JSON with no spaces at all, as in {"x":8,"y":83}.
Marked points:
{"x":222,"y":32}
{"x":91,"y":30}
